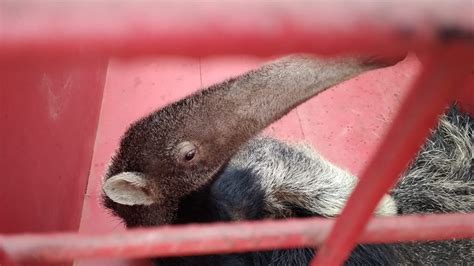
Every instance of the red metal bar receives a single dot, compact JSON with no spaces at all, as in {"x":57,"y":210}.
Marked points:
{"x":225,"y":237}
{"x":191,"y":28}
{"x":432,"y":91}
{"x":5,"y":259}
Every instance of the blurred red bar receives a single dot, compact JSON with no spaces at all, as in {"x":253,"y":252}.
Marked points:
{"x":442,"y":76}
{"x":222,"y":237}
{"x":191,"y":28}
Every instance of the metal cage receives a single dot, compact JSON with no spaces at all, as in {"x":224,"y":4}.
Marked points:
{"x":440,"y":31}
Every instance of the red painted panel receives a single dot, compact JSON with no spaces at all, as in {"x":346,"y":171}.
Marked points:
{"x":48,"y":116}
{"x":466,"y":95}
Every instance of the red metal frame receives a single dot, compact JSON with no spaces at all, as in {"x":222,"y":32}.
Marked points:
{"x":226,"y":237}
{"x":266,"y":28}
{"x":443,"y":30}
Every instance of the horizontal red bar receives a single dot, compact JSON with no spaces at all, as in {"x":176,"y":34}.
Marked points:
{"x":443,"y":74}
{"x":192,"y":28}
{"x":220,"y":238}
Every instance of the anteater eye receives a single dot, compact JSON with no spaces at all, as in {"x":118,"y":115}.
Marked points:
{"x":186,"y":151}
{"x":190,"y":155}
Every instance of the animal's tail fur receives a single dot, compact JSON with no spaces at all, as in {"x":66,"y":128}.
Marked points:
{"x":283,"y":180}
{"x":440,"y":179}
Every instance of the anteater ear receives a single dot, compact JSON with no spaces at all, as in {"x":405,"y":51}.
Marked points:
{"x":129,"y":188}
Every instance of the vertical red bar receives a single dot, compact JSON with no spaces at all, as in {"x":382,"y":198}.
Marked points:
{"x":51,"y":110}
{"x":432,"y":91}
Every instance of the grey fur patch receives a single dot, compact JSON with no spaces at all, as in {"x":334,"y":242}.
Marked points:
{"x":292,"y":176}
{"x":441,"y":176}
